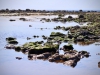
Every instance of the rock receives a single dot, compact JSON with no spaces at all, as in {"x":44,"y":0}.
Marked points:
{"x":19,"y":58}
{"x":98,"y":54}
{"x":28,"y":38}
{"x":32,"y":57}
{"x":11,"y":20}
{"x":10,"y":46}
{"x":68,"y":47}
{"x":13,"y":42}
{"x":46,"y":55}
{"x":30,"y":25}
{"x":51,"y":59}
{"x":18,"y":48}
{"x":23,"y":19}
{"x":71,"y":63}
{"x":84,"y":53}
{"x":55,"y":57}
{"x":10,"y":38}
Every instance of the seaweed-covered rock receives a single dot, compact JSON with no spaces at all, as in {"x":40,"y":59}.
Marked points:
{"x":53,"y":34}
{"x":38,"y":48}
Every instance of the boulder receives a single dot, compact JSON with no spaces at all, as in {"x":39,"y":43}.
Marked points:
{"x":46,"y":55}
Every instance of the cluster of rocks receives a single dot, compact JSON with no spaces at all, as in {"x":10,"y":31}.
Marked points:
{"x":50,"y":51}
{"x":79,"y":33}
{"x":70,"y":57}
{"x":11,"y":40}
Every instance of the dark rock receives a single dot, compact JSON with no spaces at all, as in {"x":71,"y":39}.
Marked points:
{"x":13,"y":42}
{"x":68,"y":47}
{"x":10,"y":38}
{"x":17,"y":49}
{"x":30,"y":25}
{"x":23,"y":19}
{"x":46,"y":55}
{"x":28,"y":38}
{"x":11,"y":20}
{"x":19,"y":58}
{"x":71,"y":63}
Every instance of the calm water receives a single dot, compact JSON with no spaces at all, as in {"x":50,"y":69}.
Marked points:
{"x":21,"y":30}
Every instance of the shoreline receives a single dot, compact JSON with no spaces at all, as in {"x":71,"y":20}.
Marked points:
{"x":45,"y":13}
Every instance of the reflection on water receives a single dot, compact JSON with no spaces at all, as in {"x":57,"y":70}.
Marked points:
{"x":87,"y":43}
{"x":21,"y":30}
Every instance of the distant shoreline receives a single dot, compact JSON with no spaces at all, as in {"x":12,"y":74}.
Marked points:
{"x":28,"y":12}
{"x":32,"y":14}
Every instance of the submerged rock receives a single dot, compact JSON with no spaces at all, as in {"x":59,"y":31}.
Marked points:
{"x":12,"y":20}
{"x":23,"y":19}
{"x":19,"y":58}
{"x":30,"y":25}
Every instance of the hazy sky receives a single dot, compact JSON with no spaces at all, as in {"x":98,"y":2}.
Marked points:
{"x":51,"y":4}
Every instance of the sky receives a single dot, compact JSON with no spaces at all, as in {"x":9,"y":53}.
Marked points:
{"x":51,"y":4}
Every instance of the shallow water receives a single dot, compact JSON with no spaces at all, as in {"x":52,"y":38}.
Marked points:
{"x":21,"y":30}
